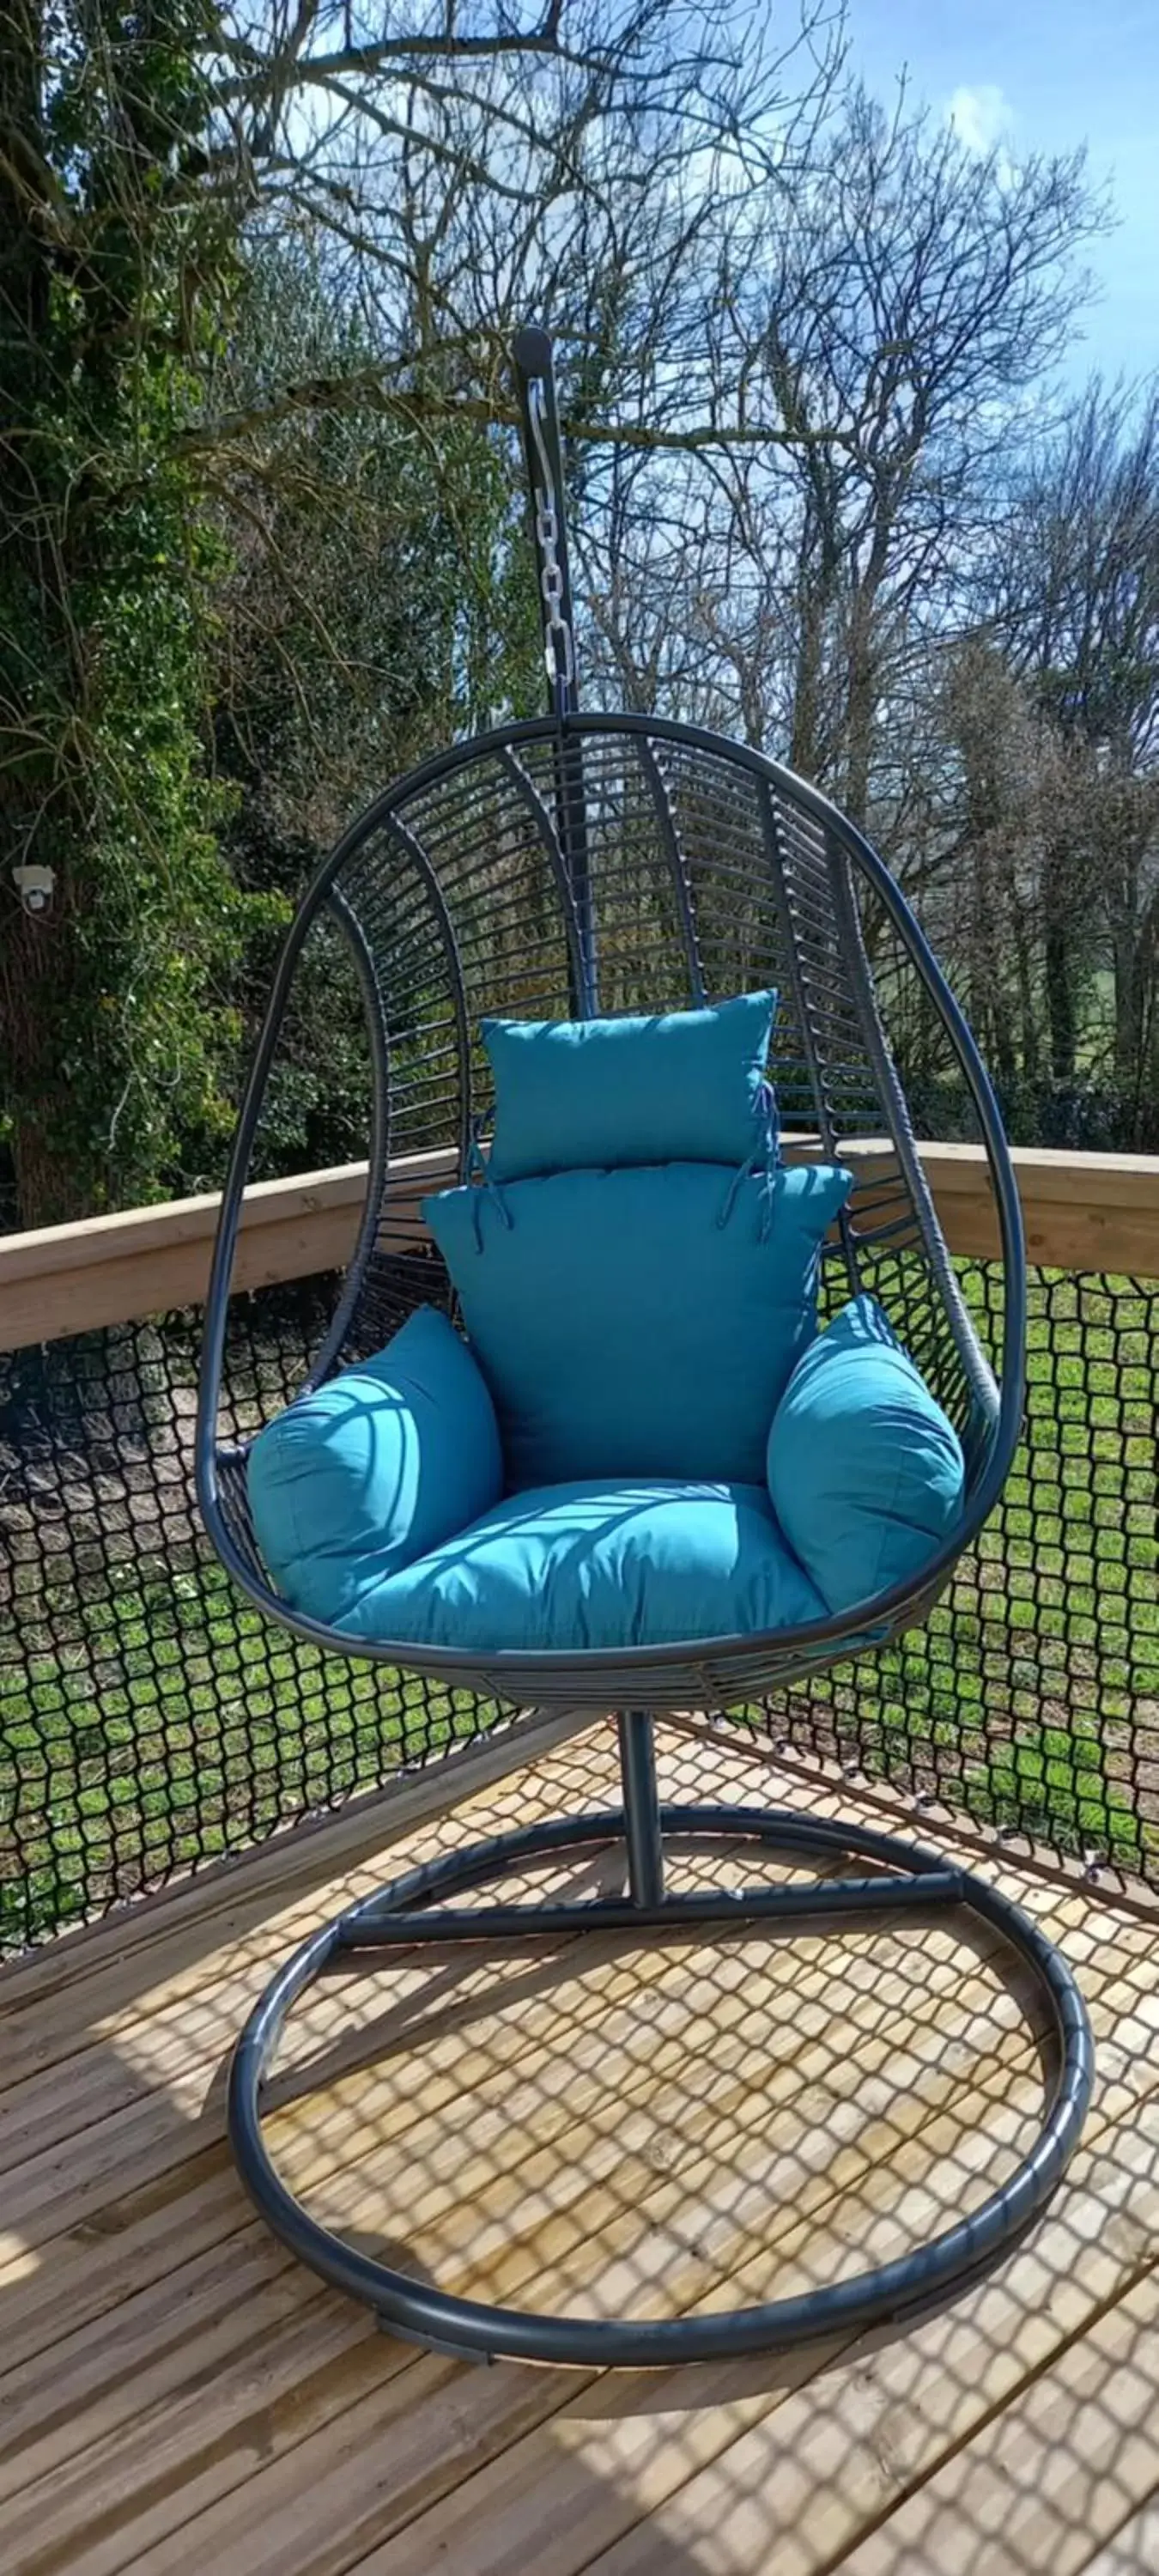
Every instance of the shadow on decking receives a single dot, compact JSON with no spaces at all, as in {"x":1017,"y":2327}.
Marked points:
{"x":603,"y":2128}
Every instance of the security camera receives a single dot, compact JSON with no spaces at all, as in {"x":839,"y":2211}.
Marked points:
{"x":34,"y":885}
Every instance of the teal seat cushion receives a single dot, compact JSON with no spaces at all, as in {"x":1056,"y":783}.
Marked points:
{"x":687,"y":1085}
{"x":374,"y":1468}
{"x":597,"y":1565}
{"x":638,"y":1323}
{"x":865,"y":1471}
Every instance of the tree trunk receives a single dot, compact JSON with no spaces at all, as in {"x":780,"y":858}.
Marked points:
{"x":804,"y":740}
{"x":1026,"y":995}
{"x":49,"y":1188}
{"x":56,"y":1178}
{"x":32,"y":966}
{"x":860,"y":712}
{"x":1061,"y":1017}
{"x":1128,"y":1009}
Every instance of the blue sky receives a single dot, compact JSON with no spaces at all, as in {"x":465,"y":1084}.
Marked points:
{"x":1044,"y":75}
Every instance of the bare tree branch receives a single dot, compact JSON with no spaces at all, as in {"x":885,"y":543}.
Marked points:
{"x":365,"y":389}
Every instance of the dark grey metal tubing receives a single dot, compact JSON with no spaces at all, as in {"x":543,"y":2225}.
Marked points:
{"x":471,"y":1868}
{"x":329,"y":1351}
{"x":641,"y":1806}
{"x":850,"y":2307}
{"x":770,"y":834}
{"x":883,"y":1894}
{"x":535,"y":373}
{"x":978,"y":1371}
{"x":670,"y":837}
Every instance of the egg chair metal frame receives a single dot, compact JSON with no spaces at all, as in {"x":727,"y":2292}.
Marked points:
{"x":525,"y":872}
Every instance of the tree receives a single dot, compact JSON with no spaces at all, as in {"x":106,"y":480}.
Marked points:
{"x":453,"y":167}
{"x":377,"y":604}
{"x":917,"y":292}
{"x":896,"y":298}
{"x":112,"y":255}
{"x":1074,"y":598}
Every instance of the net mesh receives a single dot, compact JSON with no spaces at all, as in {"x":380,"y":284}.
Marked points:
{"x":151,"y":1721}
{"x":1031,"y":1698}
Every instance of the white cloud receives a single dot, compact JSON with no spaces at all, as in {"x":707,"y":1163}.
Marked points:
{"x":980,"y":116}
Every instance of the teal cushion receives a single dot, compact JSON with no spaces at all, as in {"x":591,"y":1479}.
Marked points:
{"x":865,"y":1472}
{"x":597,"y":1565}
{"x":687,"y":1086}
{"x":374,"y":1468}
{"x":638,"y":1323}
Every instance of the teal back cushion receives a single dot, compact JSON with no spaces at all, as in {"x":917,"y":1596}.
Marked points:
{"x":374,"y":1468}
{"x":687,"y":1084}
{"x":594,"y":1565}
{"x":865,"y":1471}
{"x":638,"y":1323}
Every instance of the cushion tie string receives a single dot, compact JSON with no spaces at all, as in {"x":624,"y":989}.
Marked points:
{"x":479,"y":1170}
{"x":762,"y":1166}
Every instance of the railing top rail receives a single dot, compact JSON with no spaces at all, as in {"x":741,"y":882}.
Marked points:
{"x":1095,"y":1212}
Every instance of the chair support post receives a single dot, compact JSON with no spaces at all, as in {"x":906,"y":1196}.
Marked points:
{"x":641,"y":1806}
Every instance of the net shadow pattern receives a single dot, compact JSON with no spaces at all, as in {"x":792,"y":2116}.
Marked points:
{"x":151,"y":1720}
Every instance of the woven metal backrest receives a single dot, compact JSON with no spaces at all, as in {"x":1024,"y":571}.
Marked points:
{"x":629,"y":865}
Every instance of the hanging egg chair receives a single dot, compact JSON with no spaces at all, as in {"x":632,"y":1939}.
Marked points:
{"x":573,"y":1440}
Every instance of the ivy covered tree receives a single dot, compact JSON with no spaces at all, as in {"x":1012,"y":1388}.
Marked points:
{"x":116,"y":269}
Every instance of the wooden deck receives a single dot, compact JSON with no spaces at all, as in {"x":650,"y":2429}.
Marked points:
{"x":599,"y":2126}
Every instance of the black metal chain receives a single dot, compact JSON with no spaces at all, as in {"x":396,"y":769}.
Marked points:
{"x":559,"y":643}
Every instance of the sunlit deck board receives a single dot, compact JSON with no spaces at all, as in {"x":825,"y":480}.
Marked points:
{"x":611,"y":2128}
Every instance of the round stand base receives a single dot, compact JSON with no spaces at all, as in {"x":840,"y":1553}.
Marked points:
{"x":410,"y":1912}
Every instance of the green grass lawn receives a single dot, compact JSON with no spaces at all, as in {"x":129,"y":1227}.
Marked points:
{"x":1032,"y":1697}
{"x":174,"y":1725}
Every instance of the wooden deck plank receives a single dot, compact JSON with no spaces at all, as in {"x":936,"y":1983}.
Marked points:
{"x":75,"y":2281}
{"x":1058,"y":2470}
{"x":90,"y":2380}
{"x":1134,"y":2551}
{"x":136,"y":2146}
{"x":77,"y":2374}
{"x":257,"y":2511}
{"x":133,"y":2078}
{"x":75,"y":2274}
{"x":641,"y":2145}
{"x":631,"y":2478}
{"x":666,"y":2128}
{"x":389,"y":2470}
{"x":106,"y":2465}
{"x":53,"y":1999}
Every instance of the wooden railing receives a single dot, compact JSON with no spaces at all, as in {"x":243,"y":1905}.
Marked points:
{"x":1097,"y":1212}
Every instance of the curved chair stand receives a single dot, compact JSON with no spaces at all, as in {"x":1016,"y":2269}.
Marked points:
{"x":412,"y":1912}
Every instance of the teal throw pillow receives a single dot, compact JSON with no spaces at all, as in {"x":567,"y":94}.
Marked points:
{"x":639,"y":1323}
{"x":865,"y":1471}
{"x":374,"y":1468}
{"x":687,"y":1086}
